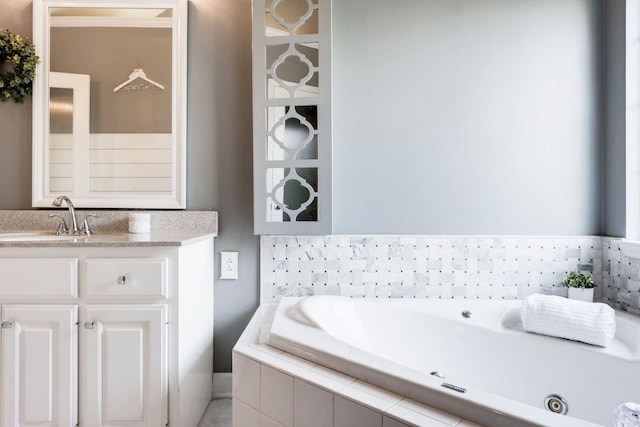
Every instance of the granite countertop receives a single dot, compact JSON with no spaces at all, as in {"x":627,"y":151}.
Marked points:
{"x":47,"y":239}
{"x":34,"y":228}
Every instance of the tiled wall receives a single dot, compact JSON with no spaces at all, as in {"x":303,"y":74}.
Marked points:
{"x":480,"y":267}
{"x":620,"y":277}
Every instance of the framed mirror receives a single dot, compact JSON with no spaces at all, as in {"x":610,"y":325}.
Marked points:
{"x":109,"y":103}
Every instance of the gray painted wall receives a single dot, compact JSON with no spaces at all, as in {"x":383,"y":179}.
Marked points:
{"x":220,"y":151}
{"x":614,"y":118}
{"x":15,"y":122}
{"x":478,"y":151}
{"x":477,"y":117}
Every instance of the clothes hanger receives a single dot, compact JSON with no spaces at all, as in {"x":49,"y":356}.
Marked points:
{"x":137,"y":73}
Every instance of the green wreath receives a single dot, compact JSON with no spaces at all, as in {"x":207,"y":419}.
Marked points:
{"x":18,"y":61}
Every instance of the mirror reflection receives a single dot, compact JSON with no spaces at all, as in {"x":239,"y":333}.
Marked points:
{"x":112,"y":132}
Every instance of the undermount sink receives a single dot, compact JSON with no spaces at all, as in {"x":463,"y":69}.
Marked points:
{"x":38,"y":236}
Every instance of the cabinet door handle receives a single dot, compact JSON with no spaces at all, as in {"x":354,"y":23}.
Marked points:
{"x":7,"y":324}
{"x":89,"y":325}
{"x":122,"y":280}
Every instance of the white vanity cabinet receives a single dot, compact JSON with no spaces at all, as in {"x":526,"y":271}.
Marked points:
{"x":39,"y":365}
{"x":125,"y":372}
{"x":124,"y":346}
{"x":39,"y":342}
{"x":106,"y":335}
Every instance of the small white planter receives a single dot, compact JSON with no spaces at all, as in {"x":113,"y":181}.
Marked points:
{"x":581,"y":294}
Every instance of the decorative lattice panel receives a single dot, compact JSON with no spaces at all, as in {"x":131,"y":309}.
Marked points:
{"x":292,"y":116}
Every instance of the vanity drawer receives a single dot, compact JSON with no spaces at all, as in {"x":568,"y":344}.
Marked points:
{"x":38,"y":277}
{"x":126,"y":276}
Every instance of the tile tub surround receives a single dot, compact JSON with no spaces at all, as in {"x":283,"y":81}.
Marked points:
{"x":272,"y":388}
{"x":478,"y":267}
{"x":620,"y":277}
{"x":500,"y":267}
{"x":112,"y":220}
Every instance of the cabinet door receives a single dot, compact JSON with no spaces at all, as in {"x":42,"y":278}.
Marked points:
{"x":124,"y":366}
{"x":39,"y":365}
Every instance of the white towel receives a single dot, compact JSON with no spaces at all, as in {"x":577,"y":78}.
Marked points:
{"x":592,"y":323}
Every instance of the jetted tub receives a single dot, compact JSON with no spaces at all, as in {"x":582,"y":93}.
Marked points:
{"x":494,"y":372}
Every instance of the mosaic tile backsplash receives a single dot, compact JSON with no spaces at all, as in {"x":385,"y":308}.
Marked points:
{"x":620,"y":277}
{"x":478,"y":267}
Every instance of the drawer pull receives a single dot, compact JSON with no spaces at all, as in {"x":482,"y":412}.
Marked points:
{"x":122,"y":280}
{"x":7,"y":324}
{"x":89,"y":325}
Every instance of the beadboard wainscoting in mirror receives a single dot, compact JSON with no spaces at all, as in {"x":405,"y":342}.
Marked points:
{"x":110,"y":103}
{"x":292,"y":116}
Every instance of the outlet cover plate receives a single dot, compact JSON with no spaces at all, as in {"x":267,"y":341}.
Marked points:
{"x":229,"y":265}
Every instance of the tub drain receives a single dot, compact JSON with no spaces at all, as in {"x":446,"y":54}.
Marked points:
{"x":556,"y":404}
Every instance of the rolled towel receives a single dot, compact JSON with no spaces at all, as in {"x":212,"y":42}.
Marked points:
{"x":591,"y":323}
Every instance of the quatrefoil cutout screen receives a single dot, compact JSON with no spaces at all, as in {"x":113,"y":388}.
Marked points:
{"x":293,"y":153}
{"x":292,"y":16}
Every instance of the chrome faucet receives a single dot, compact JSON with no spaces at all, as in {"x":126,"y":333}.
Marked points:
{"x":72,"y":212}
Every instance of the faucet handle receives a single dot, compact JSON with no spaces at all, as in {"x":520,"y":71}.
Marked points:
{"x":84,"y":227}
{"x":62,"y":225}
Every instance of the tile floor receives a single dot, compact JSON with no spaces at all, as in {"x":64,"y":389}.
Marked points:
{"x":218,"y":414}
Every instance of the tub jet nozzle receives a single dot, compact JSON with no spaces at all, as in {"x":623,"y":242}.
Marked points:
{"x":556,"y":404}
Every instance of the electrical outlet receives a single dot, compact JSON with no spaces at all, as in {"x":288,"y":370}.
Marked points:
{"x":228,"y":265}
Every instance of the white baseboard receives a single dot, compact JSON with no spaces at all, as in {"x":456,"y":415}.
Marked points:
{"x":222,"y":385}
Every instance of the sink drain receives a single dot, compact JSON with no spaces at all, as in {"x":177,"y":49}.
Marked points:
{"x":556,"y":404}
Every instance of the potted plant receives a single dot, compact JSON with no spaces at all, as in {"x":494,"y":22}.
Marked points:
{"x":580,"y":286}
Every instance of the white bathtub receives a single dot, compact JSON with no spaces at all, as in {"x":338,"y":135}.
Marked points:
{"x":506,"y":372}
